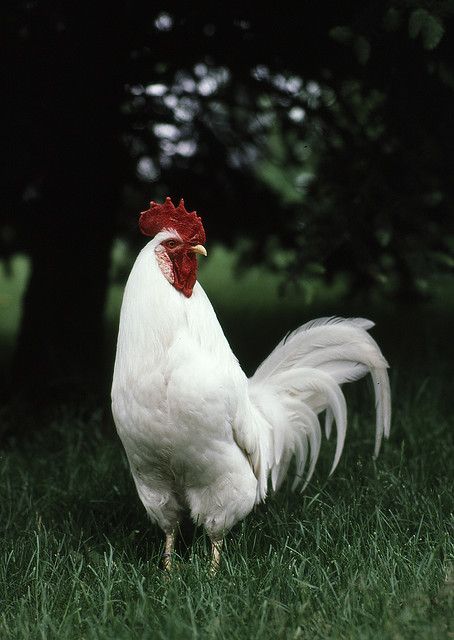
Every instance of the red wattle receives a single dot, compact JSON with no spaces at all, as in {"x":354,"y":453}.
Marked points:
{"x":185,"y":273}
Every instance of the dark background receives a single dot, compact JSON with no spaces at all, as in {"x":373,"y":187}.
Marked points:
{"x":314,"y":138}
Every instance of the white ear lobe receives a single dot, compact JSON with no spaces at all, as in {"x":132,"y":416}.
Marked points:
{"x":164,"y":263}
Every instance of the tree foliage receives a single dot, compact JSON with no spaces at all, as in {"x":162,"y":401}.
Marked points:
{"x":327,"y":129}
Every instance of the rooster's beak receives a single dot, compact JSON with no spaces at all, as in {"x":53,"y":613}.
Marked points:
{"x":199,"y":248}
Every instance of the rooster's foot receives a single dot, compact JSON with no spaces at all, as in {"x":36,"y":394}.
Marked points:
{"x":216,"y":547}
{"x":168,"y":551}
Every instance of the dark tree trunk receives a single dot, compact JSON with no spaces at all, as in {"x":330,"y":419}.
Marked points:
{"x":60,"y":345}
{"x":75,"y":91}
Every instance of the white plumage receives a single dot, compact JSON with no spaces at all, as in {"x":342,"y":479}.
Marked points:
{"x":199,"y":435}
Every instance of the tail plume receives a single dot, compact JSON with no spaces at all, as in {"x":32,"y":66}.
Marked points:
{"x":301,"y":378}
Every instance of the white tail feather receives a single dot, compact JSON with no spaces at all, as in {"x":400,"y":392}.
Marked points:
{"x":328,"y":422}
{"x":301,"y":378}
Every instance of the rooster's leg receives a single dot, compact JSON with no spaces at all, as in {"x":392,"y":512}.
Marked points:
{"x":216,"y":547}
{"x":168,"y":550}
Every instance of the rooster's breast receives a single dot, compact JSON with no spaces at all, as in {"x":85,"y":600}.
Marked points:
{"x":181,"y":413}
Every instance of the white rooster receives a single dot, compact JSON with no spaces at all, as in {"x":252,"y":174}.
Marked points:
{"x":199,"y":435}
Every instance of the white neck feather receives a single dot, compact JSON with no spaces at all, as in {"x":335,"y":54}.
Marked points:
{"x":154,"y":314}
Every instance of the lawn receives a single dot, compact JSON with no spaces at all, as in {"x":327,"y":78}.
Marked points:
{"x":367,"y":553}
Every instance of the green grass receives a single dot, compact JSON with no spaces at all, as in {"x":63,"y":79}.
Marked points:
{"x":368,"y":553}
{"x":365,"y":554}
{"x":13,"y":281}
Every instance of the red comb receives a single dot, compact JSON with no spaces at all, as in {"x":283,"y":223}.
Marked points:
{"x":166,"y":216}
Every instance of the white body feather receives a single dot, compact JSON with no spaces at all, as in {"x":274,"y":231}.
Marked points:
{"x":198,"y":434}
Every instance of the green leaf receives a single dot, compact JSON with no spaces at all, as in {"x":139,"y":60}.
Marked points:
{"x":392,"y":19}
{"x":362,"y":49}
{"x":444,"y":259}
{"x":432,"y":32}
{"x":341,"y":34}
{"x":416,"y":22}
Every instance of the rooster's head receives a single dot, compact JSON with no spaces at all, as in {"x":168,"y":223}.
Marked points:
{"x":183,"y":239}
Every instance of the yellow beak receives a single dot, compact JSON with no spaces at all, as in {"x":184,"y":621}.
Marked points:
{"x":199,"y":248}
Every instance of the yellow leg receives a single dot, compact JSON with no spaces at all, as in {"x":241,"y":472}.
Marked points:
{"x":216,"y":548}
{"x":168,"y":550}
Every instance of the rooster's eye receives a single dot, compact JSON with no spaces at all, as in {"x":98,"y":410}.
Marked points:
{"x":171,"y":244}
